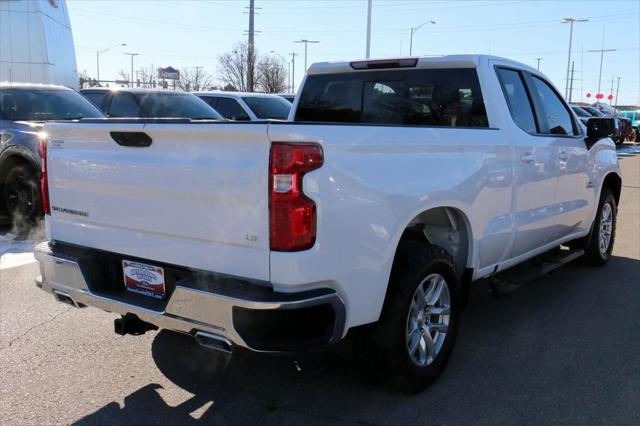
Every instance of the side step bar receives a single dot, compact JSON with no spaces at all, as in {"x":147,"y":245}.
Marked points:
{"x":508,"y":281}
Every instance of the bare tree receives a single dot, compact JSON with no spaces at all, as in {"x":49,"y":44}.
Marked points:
{"x":194,"y":79}
{"x":147,"y":75}
{"x":122,"y":77}
{"x":272,"y":74}
{"x":86,"y":80}
{"x":232,"y":67}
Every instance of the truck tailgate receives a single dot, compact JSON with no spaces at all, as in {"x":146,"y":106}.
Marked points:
{"x":196,"y":197}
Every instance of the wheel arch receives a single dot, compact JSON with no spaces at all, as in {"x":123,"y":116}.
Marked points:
{"x":613,"y":182}
{"x":446,"y":226}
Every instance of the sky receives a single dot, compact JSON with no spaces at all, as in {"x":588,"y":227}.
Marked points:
{"x":187,"y":34}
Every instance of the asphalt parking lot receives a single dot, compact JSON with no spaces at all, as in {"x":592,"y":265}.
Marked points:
{"x":563,"y":349}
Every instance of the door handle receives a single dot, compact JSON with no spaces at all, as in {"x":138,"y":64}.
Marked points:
{"x":527,"y":157}
{"x":563,"y":155}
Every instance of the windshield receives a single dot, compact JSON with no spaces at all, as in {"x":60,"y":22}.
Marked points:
{"x":268,"y":107}
{"x":580,"y":112}
{"x":176,"y":105}
{"x":44,"y":104}
{"x":594,"y":112}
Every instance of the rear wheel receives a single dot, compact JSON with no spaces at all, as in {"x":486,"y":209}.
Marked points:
{"x":410,"y":346}
{"x":22,"y":197}
{"x":599,"y":243}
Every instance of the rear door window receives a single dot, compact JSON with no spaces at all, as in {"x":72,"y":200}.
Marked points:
{"x":422,"y":97}
{"x":518,"y":99}
{"x":555,"y":112}
{"x":123,"y":105}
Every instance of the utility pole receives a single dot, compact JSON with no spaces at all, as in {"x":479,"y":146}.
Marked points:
{"x":131,"y":75}
{"x":98,"y":52}
{"x":617,"y":91}
{"x":250,"y":56}
{"x":573,"y":63}
{"x":196,"y":85}
{"x":570,"y":21}
{"x":611,"y":91}
{"x":293,"y":71}
{"x":306,"y":43}
{"x":369,"y":29}
{"x":538,"y":66}
{"x":581,"y":73}
{"x":601,"y":51}
{"x":415,"y":30}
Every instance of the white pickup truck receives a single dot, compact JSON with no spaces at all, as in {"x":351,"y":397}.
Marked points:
{"x":394,"y":185}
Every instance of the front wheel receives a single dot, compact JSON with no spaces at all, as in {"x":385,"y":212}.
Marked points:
{"x":599,"y":244}
{"x":410,"y":346}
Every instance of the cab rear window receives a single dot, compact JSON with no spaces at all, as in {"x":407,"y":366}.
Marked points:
{"x":431,"y":97}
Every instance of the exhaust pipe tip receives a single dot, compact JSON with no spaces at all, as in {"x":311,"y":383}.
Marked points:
{"x":63,"y":297}
{"x":214,"y":342}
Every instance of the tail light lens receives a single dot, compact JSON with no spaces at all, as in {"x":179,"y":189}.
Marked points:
{"x":44,"y":181}
{"x":292,"y":216}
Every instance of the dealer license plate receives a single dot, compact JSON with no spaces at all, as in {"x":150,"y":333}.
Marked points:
{"x":144,"y":279}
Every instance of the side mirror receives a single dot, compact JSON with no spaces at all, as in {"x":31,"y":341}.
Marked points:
{"x":602,"y":127}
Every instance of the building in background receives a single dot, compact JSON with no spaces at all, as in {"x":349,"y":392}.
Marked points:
{"x":36,"y":43}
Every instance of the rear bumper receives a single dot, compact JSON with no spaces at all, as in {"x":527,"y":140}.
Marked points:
{"x":245,"y":314}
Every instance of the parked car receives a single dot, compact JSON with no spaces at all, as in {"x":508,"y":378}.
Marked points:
{"x":149,"y":103}
{"x":634,"y":117}
{"x":23,"y":110}
{"x":398,"y":183}
{"x":245,"y":106}
{"x":288,"y":96}
{"x":582,"y":115}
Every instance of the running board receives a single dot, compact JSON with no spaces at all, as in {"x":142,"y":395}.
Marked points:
{"x":508,"y":281}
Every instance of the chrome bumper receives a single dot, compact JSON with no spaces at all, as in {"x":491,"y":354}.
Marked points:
{"x":187,"y":310}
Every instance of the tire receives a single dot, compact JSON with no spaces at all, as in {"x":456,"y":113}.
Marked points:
{"x":599,"y":243}
{"x":22,"y":197}
{"x":407,"y":349}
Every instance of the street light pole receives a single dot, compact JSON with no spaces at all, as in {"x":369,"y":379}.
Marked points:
{"x":415,"y":30}
{"x":538,"y":66}
{"x":369,"y":29}
{"x":131,"y":75}
{"x":569,"y":21}
{"x":306,"y":43}
{"x":617,"y":91}
{"x":293,"y":71}
{"x":98,"y":52}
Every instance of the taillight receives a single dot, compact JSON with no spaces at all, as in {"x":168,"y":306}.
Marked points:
{"x":292,"y":216}
{"x":44,"y":182}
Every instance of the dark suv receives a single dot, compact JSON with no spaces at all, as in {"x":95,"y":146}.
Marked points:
{"x":150,"y":103}
{"x":23,"y":110}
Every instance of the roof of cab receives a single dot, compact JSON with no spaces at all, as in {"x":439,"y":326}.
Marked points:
{"x":445,"y":61}
{"x":13,"y":85}
{"x":131,"y":90}
{"x":236,"y":94}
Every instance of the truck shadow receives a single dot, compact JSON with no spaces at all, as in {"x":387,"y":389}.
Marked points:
{"x":533,"y":351}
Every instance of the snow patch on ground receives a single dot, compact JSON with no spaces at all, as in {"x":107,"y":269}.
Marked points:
{"x":16,"y":252}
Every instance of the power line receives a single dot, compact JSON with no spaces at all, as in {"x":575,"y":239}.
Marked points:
{"x":440,"y":29}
